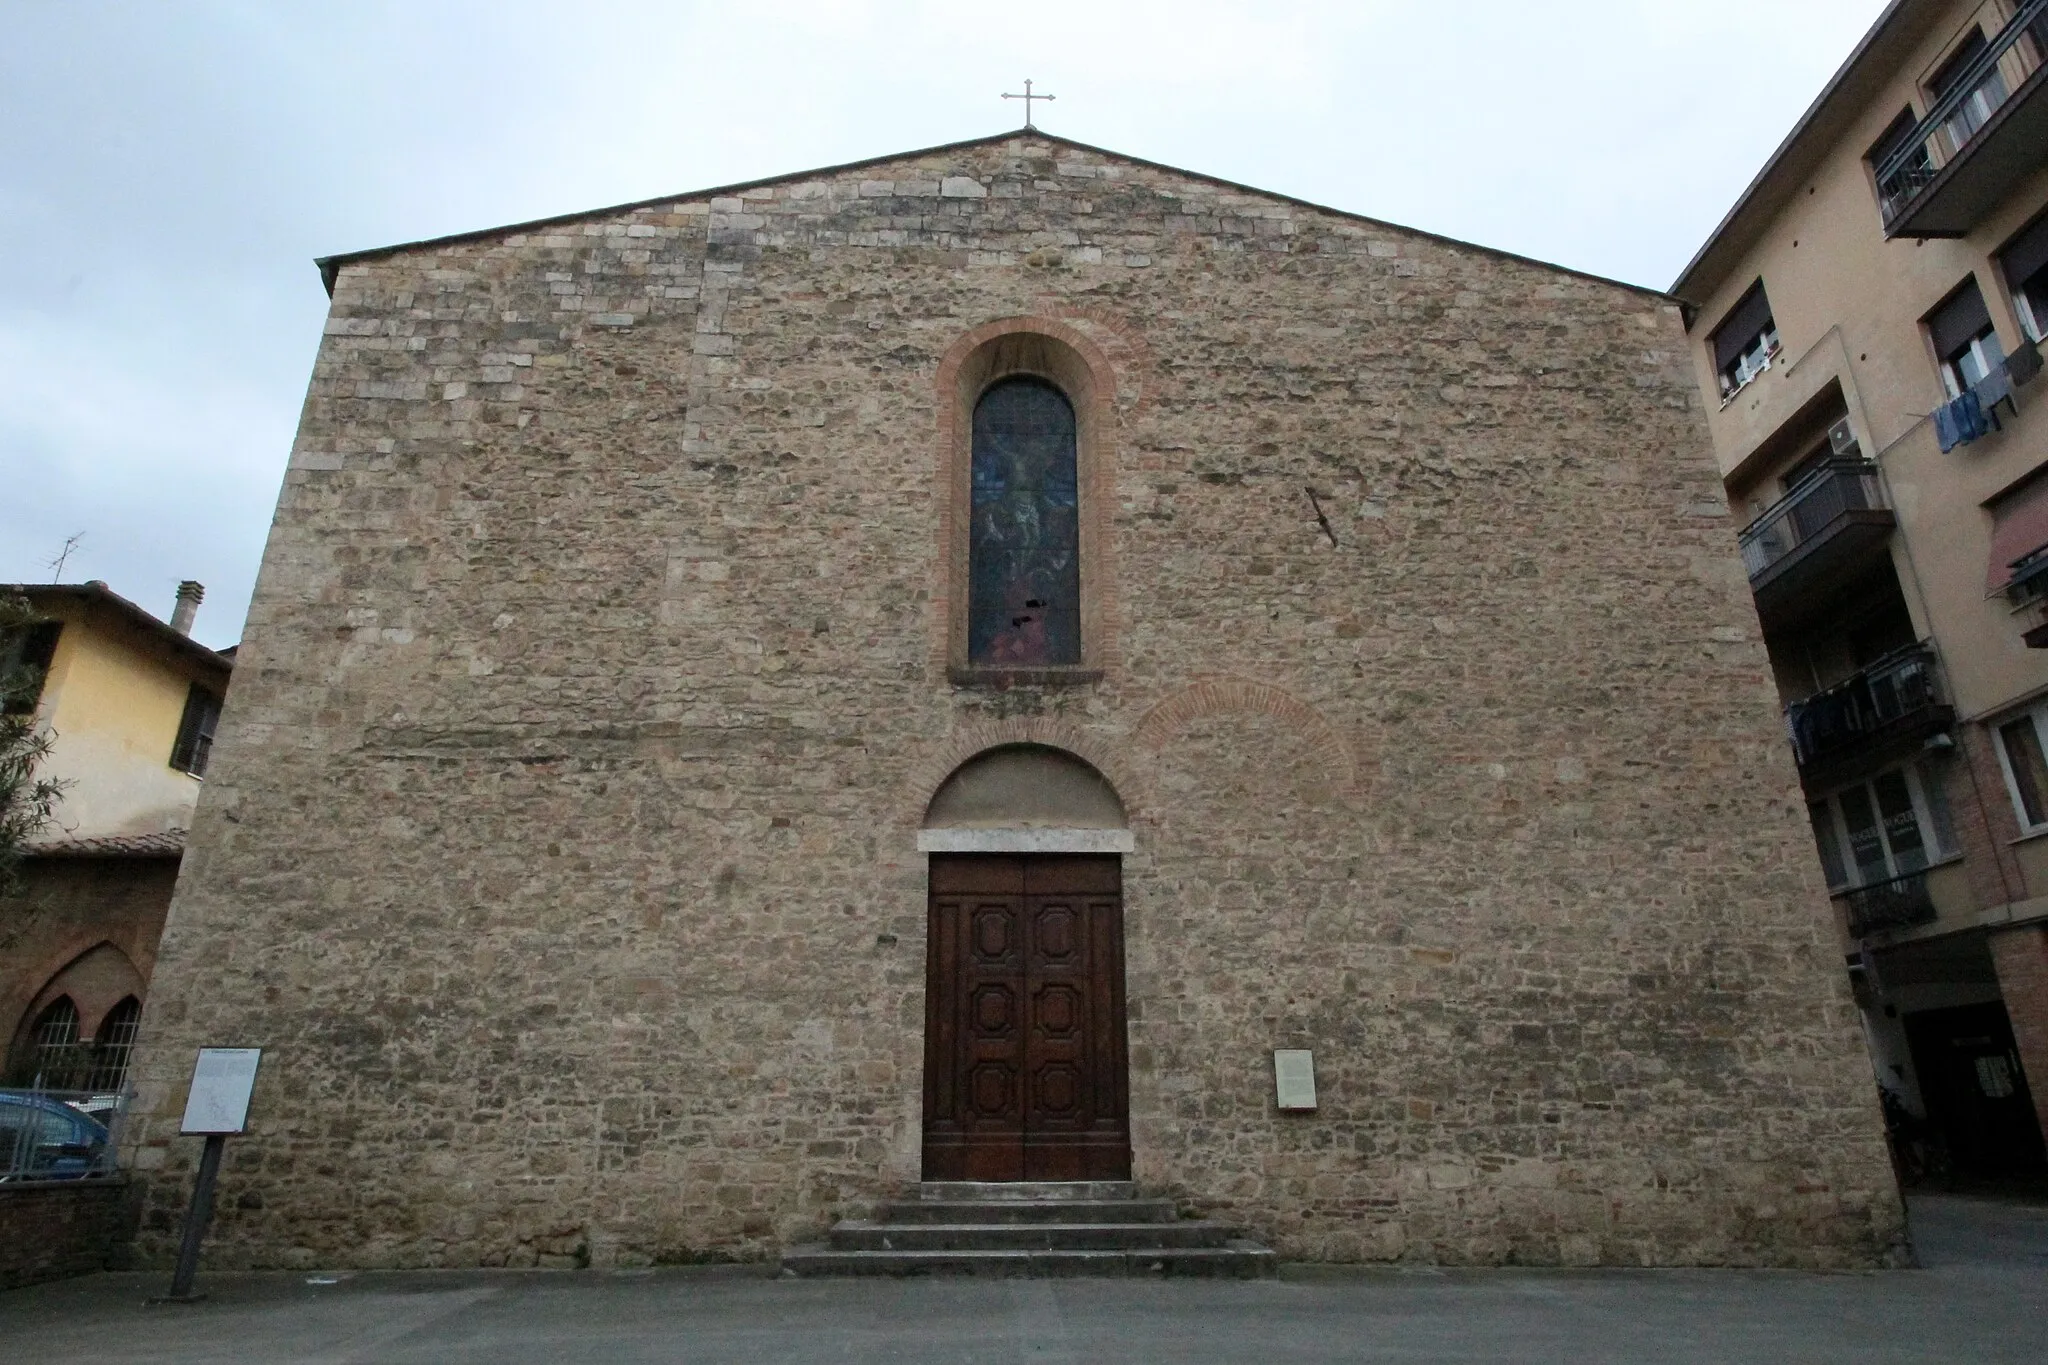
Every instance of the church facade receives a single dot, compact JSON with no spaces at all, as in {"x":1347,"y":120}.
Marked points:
{"x":938,"y":668}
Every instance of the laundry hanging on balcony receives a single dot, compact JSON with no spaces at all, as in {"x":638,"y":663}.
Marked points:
{"x":1962,"y":420}
{"x":2025,"y":363}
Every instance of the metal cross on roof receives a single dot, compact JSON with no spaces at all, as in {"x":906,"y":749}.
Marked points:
{"x":1027,"y":97}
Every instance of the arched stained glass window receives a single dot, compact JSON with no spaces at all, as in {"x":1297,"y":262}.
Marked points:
{"x":1024,"y":546}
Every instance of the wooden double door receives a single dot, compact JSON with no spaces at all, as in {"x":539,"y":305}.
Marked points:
{"x":1025,"y":1074}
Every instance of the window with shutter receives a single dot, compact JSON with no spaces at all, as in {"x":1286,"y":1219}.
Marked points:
{"x":1897,"y":183}
{"x":194,"y":745}
{"x":25,"y":656}
{"x":1962,"y":68}
{"x":2021,"y":755}
{"x":1964,"y":339}
{"x":1745,"y":341}
{"x":2025,"y":266}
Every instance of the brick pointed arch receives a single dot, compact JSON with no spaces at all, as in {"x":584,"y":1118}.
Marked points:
{"x":96,"y":977}
{"x":1227,"y":695}
{"x":1068,"y":357}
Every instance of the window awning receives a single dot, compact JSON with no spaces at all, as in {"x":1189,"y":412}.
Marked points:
{"x":2019,"y":527}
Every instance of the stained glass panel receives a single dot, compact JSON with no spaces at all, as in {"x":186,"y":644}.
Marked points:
{"x":1024,"y":546}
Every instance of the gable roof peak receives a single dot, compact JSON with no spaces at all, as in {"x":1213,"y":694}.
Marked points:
{"x":330,"y":266}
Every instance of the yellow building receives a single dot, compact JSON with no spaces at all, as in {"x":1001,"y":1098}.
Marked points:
{"x":131,"y":702}
{"x":1866,"y":323}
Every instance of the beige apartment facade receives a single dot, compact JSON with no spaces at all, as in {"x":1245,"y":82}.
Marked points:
{"x":1865,"y":326}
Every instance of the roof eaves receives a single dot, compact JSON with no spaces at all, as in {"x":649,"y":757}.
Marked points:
{"x":96,"y":593}
{"x":169,"y":843}
{"x":330,"y":266}
{"x":1681,"y":288}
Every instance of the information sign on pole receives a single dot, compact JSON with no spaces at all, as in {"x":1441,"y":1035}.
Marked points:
{"x":218,"y":1105}
{"x":221,"y":1082}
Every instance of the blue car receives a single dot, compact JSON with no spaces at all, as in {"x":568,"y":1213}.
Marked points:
{"x":46,"y":1139}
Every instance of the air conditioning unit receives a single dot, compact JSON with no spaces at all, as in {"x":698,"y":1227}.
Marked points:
{"x":1842,"y":441}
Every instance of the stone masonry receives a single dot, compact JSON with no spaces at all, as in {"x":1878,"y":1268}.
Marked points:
{"x":560,"y":843}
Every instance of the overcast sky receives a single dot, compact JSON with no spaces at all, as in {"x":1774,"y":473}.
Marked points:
{"x":168,"y":172}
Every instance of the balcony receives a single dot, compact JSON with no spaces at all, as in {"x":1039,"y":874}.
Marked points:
{"x":1826,"y":529}
{"x":1892,"y":705}
{"x":1899,"y":903}
{"x":1977,"y":142}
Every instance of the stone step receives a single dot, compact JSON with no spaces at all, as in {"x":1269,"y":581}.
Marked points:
{"x":1238,"y":1259}
{"x":1033,"y":1191}
{"x":856,"y":1235}
{"x":1026,"y":1211}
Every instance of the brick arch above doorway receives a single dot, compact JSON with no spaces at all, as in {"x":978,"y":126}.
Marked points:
{"x":1025,"y":798}
{"x":943,"y":758}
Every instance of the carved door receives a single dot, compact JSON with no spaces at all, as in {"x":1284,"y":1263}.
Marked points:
{"x":1024,"y":1020}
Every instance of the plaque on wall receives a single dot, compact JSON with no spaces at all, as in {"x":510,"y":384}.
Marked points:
{"x":1294,"y":1079}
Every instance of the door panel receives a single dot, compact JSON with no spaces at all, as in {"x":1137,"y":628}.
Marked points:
{"x":1024,"y":1057}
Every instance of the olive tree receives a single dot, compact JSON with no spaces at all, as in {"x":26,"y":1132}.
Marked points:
{"x":26,"y":799}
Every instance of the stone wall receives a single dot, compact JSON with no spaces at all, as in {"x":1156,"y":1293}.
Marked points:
{"x":56,"y":1229}
{"x":560,"y":840}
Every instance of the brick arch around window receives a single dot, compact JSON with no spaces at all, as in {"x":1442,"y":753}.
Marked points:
{"x":1067,"y":358}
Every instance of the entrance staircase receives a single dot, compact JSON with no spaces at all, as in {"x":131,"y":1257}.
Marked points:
{"x":1097,"y":1227}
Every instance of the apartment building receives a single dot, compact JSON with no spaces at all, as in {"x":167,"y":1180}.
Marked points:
{"x":1867,"y":325}
{"x":131,"y":701}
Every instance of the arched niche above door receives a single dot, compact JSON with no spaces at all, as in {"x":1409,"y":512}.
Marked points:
{"x":1025,"y":798}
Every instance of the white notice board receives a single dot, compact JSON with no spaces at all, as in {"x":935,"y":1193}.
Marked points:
{"x":1294,"y":1078}
{"x":221,"y":1081}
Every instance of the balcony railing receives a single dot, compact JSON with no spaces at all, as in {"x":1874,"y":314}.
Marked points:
{"x":1899,"y":903}
{"x":1812,"y":507}
{"x":2007,"y":65}
{"x":1898,"y":698}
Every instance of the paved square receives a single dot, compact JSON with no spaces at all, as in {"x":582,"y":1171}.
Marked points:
{"x":1982,"y":1296}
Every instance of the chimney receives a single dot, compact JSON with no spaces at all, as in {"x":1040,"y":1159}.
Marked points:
{"x":189,"y":595}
